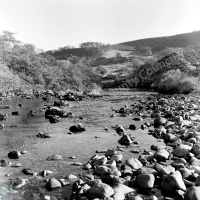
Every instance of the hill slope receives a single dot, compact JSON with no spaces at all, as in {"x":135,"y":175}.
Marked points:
{"x":160,"y":43}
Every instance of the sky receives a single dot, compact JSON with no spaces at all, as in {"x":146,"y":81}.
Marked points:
{"x":50,"y":24}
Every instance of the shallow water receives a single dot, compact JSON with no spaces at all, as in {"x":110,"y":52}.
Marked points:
{"x":26,"y":125}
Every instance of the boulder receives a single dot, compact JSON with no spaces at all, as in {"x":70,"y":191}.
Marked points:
{"x":55,"y":157}
{"x":53,"y":184}
{"x":125,"y":140}
{"x":161,"y":154}
{"x":110,"y":152}
{"x":145,"y":181}
{"x":173,"y":181}
{"x":164,"y":170}
{"x":192,"y":193}
{"x":54,"y":119}
{"x":100,"y":191}
{"x":132,"y":127}
{"x":4,"y":163}
{"x":43,"y":135}
{"x":119,"y":129}
{"x":51,"y":111}
{"x":159,"y":122}
{"x":15,"y":113}
{"x":102,"y":170}
{"x":77,"y":128}
{"x":185,"y":172}
{"x":196,"y":149}
{"x":182,"y":150}
{"x":146,"y":170}
{"x":134,"y":163}
{"x":121,"y":188}
{"x":14,"y":154}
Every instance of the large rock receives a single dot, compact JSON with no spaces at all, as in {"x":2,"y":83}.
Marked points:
{"x":181,"y":150}
{"x":14,"y":154}
{"x":164,"y":170}
{"x":161,"y":154}
{"x":3,"y":117}
{"x":196,"y":149}
{"x":100,"y":191}
{"x":102,"y":170}
{"x":125,"y":140}
{"x":134,"y":163}
{"x":54,"y":119}
{"x":55,"y":111}
{"x":145,"y":181}
{"x":146,"y":170}
{"x":185,"y":172}
{"x":121,"y":188}
{"x":53,"y":184}
{"x":173,"y":181}
{"x":55,"y":157}
{"x":194,"y":161}
{"x":77,"y":128}
{"x":192,"y":193}
{"x":159,"y":122}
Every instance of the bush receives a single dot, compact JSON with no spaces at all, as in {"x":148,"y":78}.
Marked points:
{"x":175,"y":87}
{"x":175,"y":82}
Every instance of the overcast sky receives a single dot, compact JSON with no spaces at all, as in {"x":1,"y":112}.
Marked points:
{"x":49,"y":24}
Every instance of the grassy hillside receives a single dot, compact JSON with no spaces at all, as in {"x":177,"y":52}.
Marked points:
{"x":160,"y":43}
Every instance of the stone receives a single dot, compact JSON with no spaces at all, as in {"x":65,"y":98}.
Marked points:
{"x":145,"y":181}
{"x":28,"y":171}
{"x":192,"y":193}
{"x":87,"y":166}
{"x":134,"y":163}
{"x":121,"y":188}
{"x":164,"y":170}
{"x":159,"y":122}
{"x":101,"y":161}
{"x":146,"y":170}
{"x":77,"y":164}
{"x":125,"y":140}
{"x":110,"y":152}
{"x":4,"y":163}
{"x":194,"y":161}
{"x":102,"y":170}
{"x":132,"y":127}
{"x":14,"y":154}
{"x":173,"y":181}
{"x":161,"y":154}
{"x":43,"y":135}
{"x":100,"y":191}
{"x":47,"y":197}
{"x":181,"y":150}
{"x":197,"y":181}
{"x":118,"y":157}
{"x":119,"y":196}
{"x":53,"y":184}
{"x":185,"y":172}
{"x":54,"y":119}
{"x":77,"y":128}
{"x":196,"y":149}
{"x":55,"y":157}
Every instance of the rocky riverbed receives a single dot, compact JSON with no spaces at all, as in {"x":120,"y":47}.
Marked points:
{"x":132,"y":146}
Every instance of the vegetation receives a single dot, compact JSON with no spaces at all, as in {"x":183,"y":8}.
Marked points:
{"x":23,"y":64}
{"x":24,"y":67}
{"x":174,"y":82}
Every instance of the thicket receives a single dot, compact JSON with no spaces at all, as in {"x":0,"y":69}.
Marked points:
{"x":24,"y":65}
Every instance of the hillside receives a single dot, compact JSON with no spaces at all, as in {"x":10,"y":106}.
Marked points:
{"x":160,"y":43}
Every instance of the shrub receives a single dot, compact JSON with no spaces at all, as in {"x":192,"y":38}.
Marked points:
{"x":175,"y":82}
